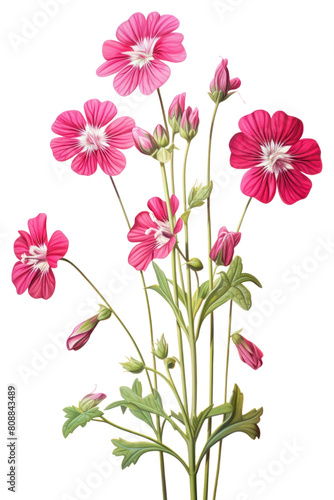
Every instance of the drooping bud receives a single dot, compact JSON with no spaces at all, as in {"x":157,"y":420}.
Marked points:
{"x":160,"y":134}
{"x":223,"y":250}
{"x":133,"y":366}
{"x":249,"y":353}
{"x":144,"y":141}
{"x":221,"y":84}
{"x":83,"y":331}
{"x":189,"y":124}
{"x":91,"y":400}
{"x":161,"y":350}
{"x":195,"y":264}
{"x":175,"y":111}
{"x":104,"y":313}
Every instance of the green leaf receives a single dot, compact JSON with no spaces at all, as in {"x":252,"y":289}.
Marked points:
{"x":182,"y":295}
{"x":185,"y":216}
{"x":220,"y":410}
{"x":133,"y":451}
{"x":164,"y":290}
{"x":178,"y":416}
{"x":76,"y":418}
{"x":235,"y":422}
{"x":197,"y":422}
{"x":198,"y":297}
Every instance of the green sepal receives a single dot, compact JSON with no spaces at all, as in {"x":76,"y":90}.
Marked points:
{"x":185,"y":216}
{"x":198,"y":194}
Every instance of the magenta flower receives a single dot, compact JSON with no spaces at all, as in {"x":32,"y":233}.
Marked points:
{"x":144,"y":141}
{"x":95,"y":141}
{"x":82,"y":332}
{"x":37,"y":256}
{"x":138,"y":54}
{"x":176,"y":110}
{"x":249,"y":353}
{"x":152,"y":231}
{"x":276,"y":155}
{"x":91,"y":400}
{"x":189,"y":123}
{"x":223,"y":250}
{"x":222,"y":83}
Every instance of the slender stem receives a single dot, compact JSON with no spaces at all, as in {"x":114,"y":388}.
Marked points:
{"x":192,"y":470}
{"x":172,"y":166}
{"x":116,"y":316}
{"x":163,"y":110}
{"x":176,"y":299}
{"x":162,"y":464}
{"x":243,"y":215}
{"x":207,"y":459}
{"x":181,"y":253}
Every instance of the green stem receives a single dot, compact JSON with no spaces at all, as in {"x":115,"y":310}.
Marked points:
{"x":162,"y":464}
{"x":243,"y":215}
{"x":163,"y":110}
{"x":116,"y":316}
{"x":207,"y":459}
{"x":192,"y":470}
{"x":176,"y":299}
{"x":172,"y":166}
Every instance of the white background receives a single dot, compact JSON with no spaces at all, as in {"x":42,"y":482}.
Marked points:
{"x":281,"y":50}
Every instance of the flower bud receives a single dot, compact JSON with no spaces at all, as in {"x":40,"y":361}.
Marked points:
{"x":175,"y":111}
{"x":170,"y":362}
{"x":195,"y":264}
{"x":223,"y":250}
{"x":189,"y":124}
{"x":91,"y":400}
{"x":133,"y":366}
{"x":104,"y":313}
{"x":249,"y":353}
{"x":161,"y":136}
{"x":161,"y":351}
{"x":221,"y":83}
{"x":83,"y":331}
{"x":144,"y":141}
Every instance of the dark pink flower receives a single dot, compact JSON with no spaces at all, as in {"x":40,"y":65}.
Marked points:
{"x":138,"y":54}
{"x":144,"y":141}
{"x":223,"y":249}
{"x":91,"y":400}
{"x":189,"y":123}
{"x":95,"y":141}
{"x":222,"y":83}
{"x":37,"y":256}
{"x":152,"y":231}
{"x":272,"y":148}
{"x":176,"y":110}
{"x":82,"y":332}
{"x":249,"y":353}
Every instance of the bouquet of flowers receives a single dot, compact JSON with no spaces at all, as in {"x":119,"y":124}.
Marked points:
{"x":275,"y":156}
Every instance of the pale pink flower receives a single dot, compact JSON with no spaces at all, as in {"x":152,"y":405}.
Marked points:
{"x":91,"y":400}
{"x":142,"y":44}
{"x":249,"y":353}
{"x":144,"y":141}
{"x":176,"y":110}
{"x":37,"y":256}
{"x":223,"y":250}
{"x":95,"y":140}
{"x":272,"y":149}
{"x":189,"y":123}
{"x":152,"y":231}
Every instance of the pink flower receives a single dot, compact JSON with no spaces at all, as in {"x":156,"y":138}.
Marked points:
{"x":189,"y":123}
{"x":223,"y":250}
{"x":138,"y":54}
{"x":176,"y":110}
{"x":161,"y":136}
{"x":276,"y":155}
{"x":249,"y":353}
{"x":144,"y":141}
{"x":152,"y":231}
{"x":82,"y":332}
{"x":37,"y":256}
{"x":95,"y":141}
{"x":222,"y":83}
{"x":91,"y":400}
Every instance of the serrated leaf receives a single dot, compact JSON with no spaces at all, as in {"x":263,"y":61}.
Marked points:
{"x":177,"y":416}
{"x":235,"y":422}
{"x":76,"y":418}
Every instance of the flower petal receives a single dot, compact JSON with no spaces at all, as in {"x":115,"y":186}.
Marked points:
{"x":77,"y":341}
{"x":57,"y":248}
{"x":111,"y":160}
{"x":70,"y":124}
{"x":43,"y":285}
{"x":133,"y":30}
{"x":64,"y":148}
{"x":159,"y":208}
{"x":260,"y":184}
{"x":99,"y":113}
{"x":257,"y":126}
{"x":306,"y":156}
{"x":126,"y":80}
{"x":119,"y":132}
{"x":165,"y":250}
{"x":143,"y":222}
{"x":174,"y":204}
{"x":245,"y":152}
{"x":286,"y":130}
{"x":37,"y":229}
{"x":235,"y":83}
{"x":142,"y":254}
{"x":152,"y":76}
{"x":22,"y":244}
{"x":293,"y":186}
{"x":178,"y":226}
{"x":170,"y":48}
{"x":85,"y":163}
{"x":158,"y":26}
{"x":22,"y":275}
{"x":112,"y":49}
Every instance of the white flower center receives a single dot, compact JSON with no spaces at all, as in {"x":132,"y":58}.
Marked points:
{"x":275,"y":158}
{"x":162,"y":233}
{"x":37,"y":258}
{"x":93,"y":138}
{"x":142,"y":53}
